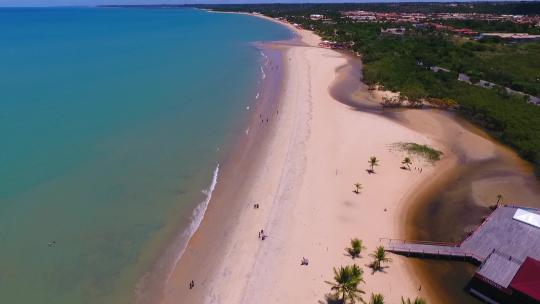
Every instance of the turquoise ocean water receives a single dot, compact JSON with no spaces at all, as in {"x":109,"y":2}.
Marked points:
{"x":110,"y":123}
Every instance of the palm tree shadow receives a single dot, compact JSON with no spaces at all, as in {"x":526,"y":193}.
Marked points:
{"x":347,"y":254}
{"x":330,"y":299}
{"x":377,"y":269}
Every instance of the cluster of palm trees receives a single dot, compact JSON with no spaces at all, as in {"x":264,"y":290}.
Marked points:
{"x":379,"y":255}
{"x":416,"y":300}
{"x":373,"y":162}
{"x":347,"y":278}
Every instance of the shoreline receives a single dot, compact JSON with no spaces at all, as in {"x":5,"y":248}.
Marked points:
{"x":237,"y":156}
{"x":245,"y":153}
{"x":225,"y":249}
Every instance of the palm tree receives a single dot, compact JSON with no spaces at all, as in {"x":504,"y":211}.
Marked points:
{"x":499,"y":197}
{"x":373,"y":161}
{"x":417,"y":300}
{"x":356,"y":248}
{"x":357,"y":188}
{"x":407,"y":161}
{"x":377,"y":299}
{"x":379,"y":256}
{"x":346,"y":283}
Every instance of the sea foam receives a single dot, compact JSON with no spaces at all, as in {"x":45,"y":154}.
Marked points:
{"x":196,"y":218}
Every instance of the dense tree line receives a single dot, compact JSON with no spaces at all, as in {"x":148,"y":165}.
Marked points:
{"x":493,"y":26}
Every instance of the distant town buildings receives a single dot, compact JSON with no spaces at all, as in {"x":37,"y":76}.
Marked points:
{"x":422,"y":21}
{"x":512,"y":36}
{"x":366,"y":16}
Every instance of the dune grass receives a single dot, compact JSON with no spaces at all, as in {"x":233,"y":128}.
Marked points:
{"x":424,"y":151}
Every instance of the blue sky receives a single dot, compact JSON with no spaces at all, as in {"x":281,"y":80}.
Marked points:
{"x":101,"y":2}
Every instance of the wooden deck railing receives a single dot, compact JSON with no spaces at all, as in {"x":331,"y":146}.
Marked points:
{"x":400,"y":241}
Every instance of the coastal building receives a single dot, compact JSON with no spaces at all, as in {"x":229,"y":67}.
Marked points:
{"x":464,"y":32}
{"x":365,"y":18}
{"x":420,"y":26}
{"x":517,"y":37}
{"x":506,"y":246}
{"x":334,"y":45}
{"x":437,"y":69}
{"x":394,"y":31}
{"x":316,"y":17}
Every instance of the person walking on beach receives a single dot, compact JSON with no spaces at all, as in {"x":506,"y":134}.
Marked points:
{"x":191,"y":284}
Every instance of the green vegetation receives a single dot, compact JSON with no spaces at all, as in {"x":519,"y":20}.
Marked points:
{"x":415,"y":301}
{"x":425,"y":151}
{"x":345,"y":285}
{"x":356,"y":248}
{"x":394,"y":62}
{"x":376,"y":299}
{"x":392,"y":59}
{"x":493,"y":26}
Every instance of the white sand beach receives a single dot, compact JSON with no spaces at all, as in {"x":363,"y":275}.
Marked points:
{"x":303,"y":181}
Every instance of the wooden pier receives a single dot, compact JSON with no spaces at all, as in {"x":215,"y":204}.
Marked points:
{"x":430,"y":249}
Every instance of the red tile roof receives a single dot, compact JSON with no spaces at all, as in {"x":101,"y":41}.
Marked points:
{"x":527,"y":279}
